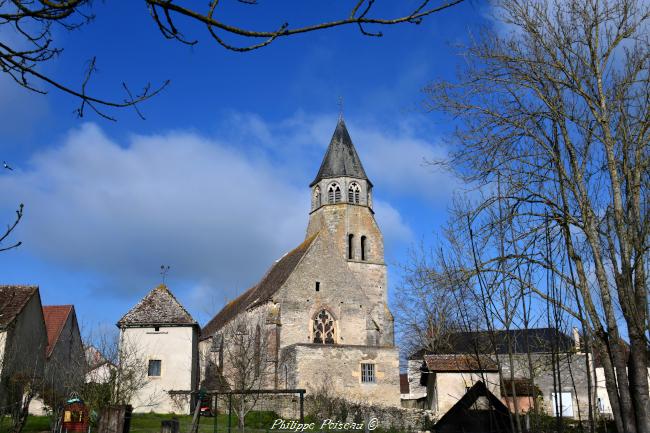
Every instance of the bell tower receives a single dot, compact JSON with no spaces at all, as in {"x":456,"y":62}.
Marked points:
{"x":341,"y":202}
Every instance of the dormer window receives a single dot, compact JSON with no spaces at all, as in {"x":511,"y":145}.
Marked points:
{"x":354,"y":191}
{"x":333,"y":193}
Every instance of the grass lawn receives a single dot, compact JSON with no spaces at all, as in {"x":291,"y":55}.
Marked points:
{"x":150,"y":423}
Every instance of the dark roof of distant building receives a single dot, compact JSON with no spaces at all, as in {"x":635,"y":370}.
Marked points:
{"x":459,"y":362}
{"x":55,"y":317}
{"x":12,"y":301}
{"x":341,"y":158}
{"x":262,"y":291}
{"x":158,"y":307}
{"x":534,"y":340}
{"x":404,"y":387}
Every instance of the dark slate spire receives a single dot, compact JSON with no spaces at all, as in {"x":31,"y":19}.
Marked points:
{"x":341,"y":158}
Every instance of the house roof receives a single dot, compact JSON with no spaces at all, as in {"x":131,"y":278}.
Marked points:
{"x":158,"y":307}
{"x":55,"y":317}
{"x":404,"y":387}
{"x":12,"y":301}
{"x":459,"y":362}
{"x":522,"y":388}
{"x":534,"y":340}
{"x":95,"y":358}
{"x":262,"y":291}
{"x":341,"y":158}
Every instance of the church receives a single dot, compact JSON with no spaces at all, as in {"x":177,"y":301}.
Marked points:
{"x":323,"y":306}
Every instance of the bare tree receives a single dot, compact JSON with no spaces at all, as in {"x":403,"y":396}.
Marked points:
{"x":432,"y":301}
{"x":125,"y":373}
{"x":10,"y":228}
{"x":32,"y":38}
{"x":555,"y":128}
{"x":245,"y":361}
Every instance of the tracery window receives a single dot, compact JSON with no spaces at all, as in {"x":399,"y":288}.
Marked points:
{"x":324,"y":332}
{"x":334,"y":193}
{"x":354,"y":190}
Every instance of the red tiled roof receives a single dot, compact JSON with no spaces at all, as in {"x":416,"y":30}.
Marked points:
{"x":262,"y":291}
{"x":12,"y":301}
{"x":404,"y":384}
{"x":448,"y":363}
{"x":55,"y":317}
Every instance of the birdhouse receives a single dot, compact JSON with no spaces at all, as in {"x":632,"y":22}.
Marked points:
{"x":75,"y":416}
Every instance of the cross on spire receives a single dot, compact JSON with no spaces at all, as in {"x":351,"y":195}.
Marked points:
{"x":340,"y":104}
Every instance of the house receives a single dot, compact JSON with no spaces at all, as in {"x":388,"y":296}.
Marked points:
{"x":65,"y":363}
{"x":522,"y":367}
{"x":23,"y":342}
{"x":324,"y":304}
{"x":158,"y":342}
{"x":99,"y":369}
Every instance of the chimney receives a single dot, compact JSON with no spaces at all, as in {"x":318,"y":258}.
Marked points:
{"x":576,"y":339}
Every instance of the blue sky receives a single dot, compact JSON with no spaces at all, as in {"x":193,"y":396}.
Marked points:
{"x":214,"y":181}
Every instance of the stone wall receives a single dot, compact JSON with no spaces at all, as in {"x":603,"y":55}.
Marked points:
{"x":309,"y":365}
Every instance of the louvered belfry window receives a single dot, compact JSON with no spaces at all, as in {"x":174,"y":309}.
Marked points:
{"x":324,"y":328}
{"x":334,"y":193}
{"x":353,"y":193}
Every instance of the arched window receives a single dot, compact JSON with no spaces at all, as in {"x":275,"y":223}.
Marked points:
{"x":354,"y":190}
{"x":363,"y":248}
{"x":333,"y":193}
{"x":350,"y":246}
{"x":324,"y":332}
{"x":316,"y":198}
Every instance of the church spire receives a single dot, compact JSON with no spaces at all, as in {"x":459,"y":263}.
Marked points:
{"x":341,"y":159}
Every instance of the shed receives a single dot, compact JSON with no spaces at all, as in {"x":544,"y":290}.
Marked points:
{"x":478,"y":411}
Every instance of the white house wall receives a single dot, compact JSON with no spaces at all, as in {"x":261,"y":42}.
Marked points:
{"x":175,"y":347}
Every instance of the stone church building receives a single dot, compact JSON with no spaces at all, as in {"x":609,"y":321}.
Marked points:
{"x":324,"y":304}
{"x":322,"y":307}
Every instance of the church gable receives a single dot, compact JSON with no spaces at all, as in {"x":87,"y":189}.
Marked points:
{"x":263,"y":291}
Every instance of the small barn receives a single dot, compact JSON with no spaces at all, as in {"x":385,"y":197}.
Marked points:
{"x":478,"y":411}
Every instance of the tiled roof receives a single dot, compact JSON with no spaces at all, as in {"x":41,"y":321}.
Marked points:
{"x":341,"y":157}
{"x":158,"y":307}
{"x":12,"y":301}
{"x":451,"y":363}
{"x":95,"y":358}
{"x":262,"y":291}
{"x":534,"y":340}
{"x":55,"y":317}
{"x":522,"y":388}
{"x":404,"y":387}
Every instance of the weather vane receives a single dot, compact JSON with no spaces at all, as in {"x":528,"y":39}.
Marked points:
{"x":340,"y":104}
{"x":163,"y":271}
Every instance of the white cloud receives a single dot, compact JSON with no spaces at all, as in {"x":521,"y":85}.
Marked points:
{"x":218,"y":210}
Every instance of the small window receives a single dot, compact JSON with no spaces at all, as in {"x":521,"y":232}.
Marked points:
{"x":350,"y":246}
{"x":363,"y":248}
{"x":317,"y":286}
{"x":562,"y":403}
{"x":367,"y":373}
{"x":156,"y":328}
{"x":154,"y":367}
